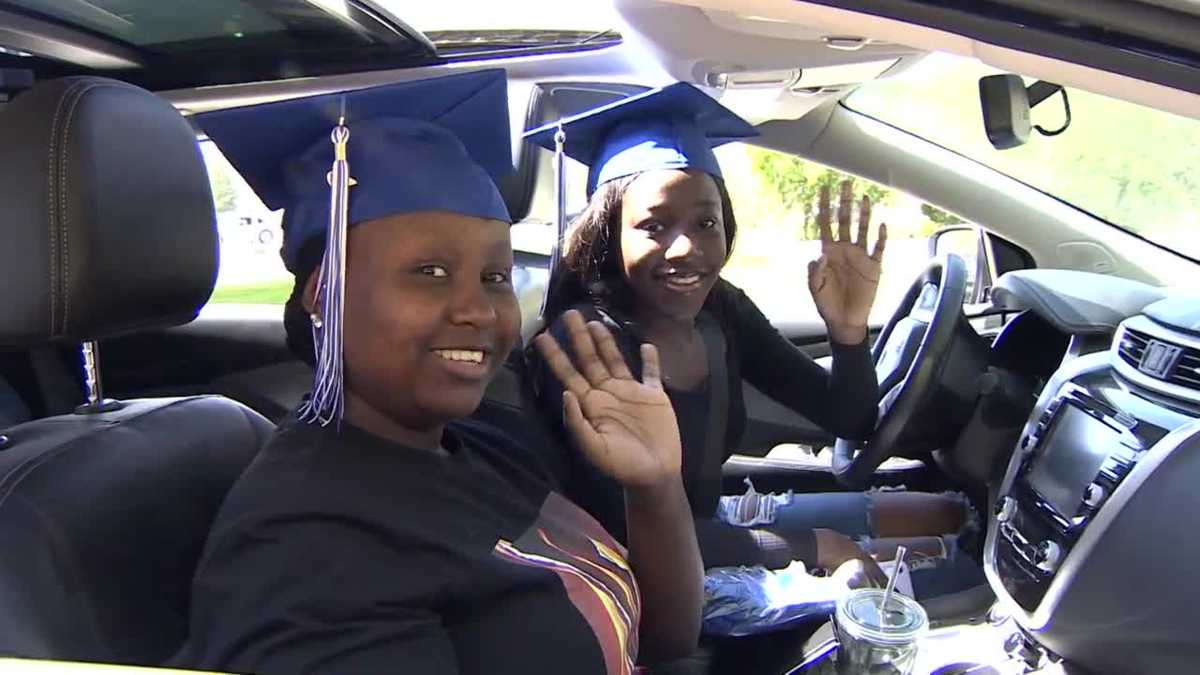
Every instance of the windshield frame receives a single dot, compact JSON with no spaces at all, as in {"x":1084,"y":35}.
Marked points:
{"x":995,"y":22}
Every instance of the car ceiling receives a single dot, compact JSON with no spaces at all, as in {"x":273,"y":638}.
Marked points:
{"x":766,"y":59}
{"x":310,"y":54}
{"x":1163,"y":75}
{"x":779,"y":60}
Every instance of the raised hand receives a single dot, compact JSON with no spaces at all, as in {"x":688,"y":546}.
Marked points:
{"x":626,"y":428}
{"x":843,"y":281}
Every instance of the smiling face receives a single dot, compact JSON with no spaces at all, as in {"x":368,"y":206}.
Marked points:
{"x":673,"y":242}
{"x":430,"y":315}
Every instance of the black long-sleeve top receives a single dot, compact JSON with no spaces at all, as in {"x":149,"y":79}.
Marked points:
{"x":841,"y":400}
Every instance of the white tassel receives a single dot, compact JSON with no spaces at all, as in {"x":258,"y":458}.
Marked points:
{"x":560,"y":217}
{"x":327,"y":401}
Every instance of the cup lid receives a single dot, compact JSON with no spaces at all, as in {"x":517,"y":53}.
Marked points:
{"x":904,"y":620}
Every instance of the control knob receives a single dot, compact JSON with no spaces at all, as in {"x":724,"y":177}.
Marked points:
{"x":1049,"y":555}
{"x":1006,"y":509}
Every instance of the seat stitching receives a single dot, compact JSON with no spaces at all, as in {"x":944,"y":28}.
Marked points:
{"x":50,"y":191}
{"x":73,"y":97}
{"x":62,"y":196}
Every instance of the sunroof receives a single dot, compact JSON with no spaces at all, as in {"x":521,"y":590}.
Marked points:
{"x":184,"y":44}
{"x":589,"y":16}
{"x":151,"y":23}
{"x":192,"y":43}
{"x":459,"y":27}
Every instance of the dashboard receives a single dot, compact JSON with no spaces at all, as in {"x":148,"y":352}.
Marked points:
{"x":1091,"y":547}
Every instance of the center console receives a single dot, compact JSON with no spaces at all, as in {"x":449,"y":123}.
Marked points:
{"x":1074,"y":458}
{"x":1092,"y":547}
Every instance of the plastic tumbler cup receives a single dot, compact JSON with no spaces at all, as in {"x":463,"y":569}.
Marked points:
{"x":875,"y":640}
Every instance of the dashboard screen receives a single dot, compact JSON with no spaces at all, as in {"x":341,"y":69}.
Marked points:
{"x":1070,"y":457}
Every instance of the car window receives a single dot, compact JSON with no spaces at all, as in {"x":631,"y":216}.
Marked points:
{"x":535,"y":234}
{"x":466,"y":26}
{"x":774,"y":196}
{"x":251,"y":271}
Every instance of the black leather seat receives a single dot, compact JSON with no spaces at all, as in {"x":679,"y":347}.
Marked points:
{"x":108,"y":224}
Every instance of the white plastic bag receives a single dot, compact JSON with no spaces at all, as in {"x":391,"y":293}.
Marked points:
{"x":749,"y":600}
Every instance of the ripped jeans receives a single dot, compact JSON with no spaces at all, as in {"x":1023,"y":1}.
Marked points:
{"x":792,"y":515}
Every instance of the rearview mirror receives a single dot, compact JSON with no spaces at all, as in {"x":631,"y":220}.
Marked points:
{"x":1006,"y":104}
{"x":1005,"y":110}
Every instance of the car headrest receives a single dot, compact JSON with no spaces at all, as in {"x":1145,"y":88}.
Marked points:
{"x":106,"y":213}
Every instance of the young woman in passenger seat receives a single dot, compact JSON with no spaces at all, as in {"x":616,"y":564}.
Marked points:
{"x":379,"y":531}
{"x":645,"y":258}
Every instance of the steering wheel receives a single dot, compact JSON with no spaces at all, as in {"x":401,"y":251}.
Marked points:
{"x":925,"y":351}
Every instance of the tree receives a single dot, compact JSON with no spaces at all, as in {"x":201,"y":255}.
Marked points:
{"x":939,"y":217}
{"x":798,"y":184}
{"x":224,"y":194}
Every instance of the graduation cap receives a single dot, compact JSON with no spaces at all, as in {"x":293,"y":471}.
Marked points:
{"x":673,"y":127}
{"x":336,"y":160}
{"x":415,"y":146}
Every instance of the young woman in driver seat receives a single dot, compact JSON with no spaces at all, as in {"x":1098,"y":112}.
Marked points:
{"x":378,"y":530}
{"x":645,"y":258}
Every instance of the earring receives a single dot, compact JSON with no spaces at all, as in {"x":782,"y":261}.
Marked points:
{"x":316,"y":320}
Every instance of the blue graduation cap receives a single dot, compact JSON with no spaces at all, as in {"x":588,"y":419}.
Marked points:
{"x":336,"y":160}
{"x":436,"y":144}
{"x":673,"y":127}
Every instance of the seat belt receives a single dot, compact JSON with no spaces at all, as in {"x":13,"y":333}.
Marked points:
{"x":708,"y":489}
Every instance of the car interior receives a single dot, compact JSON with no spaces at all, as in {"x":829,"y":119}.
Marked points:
{"x":1043,"y":358}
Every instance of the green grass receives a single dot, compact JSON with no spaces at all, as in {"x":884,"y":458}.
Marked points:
{"x":270,"y":293}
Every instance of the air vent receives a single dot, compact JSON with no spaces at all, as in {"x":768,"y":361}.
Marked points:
{"x":1187,"y":372}
{"x":1132,"y":346}
{"x":1161,"y":359}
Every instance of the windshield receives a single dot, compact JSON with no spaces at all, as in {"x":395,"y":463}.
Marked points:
{"x":458,"y":26}
{"x":1133,"y":166}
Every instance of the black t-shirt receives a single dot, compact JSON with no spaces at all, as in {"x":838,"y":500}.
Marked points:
{"x":841,"y":401}
{"x":338,"y":551}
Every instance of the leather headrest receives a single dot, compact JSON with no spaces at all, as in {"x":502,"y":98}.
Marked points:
{"x":106,"y":213}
